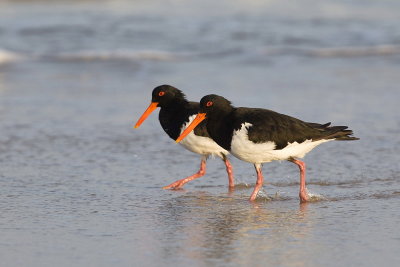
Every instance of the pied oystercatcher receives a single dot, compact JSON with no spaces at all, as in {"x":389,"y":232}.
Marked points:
{"x":175,"y":114}
{"x":259,"y":135}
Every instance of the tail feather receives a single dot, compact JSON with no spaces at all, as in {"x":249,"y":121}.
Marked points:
{"x":318,"y":125}
{"x":340,"y":133}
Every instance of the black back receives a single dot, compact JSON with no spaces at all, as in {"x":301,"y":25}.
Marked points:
{"x":267,"y":125}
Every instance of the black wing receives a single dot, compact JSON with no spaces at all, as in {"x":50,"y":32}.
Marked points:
{"x":268,"y":125}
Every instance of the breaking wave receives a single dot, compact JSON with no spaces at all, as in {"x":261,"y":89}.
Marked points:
{"x":166,"y":56}
{"x":349,"y":51}
{"x":151,"y":55}
{"x":7,"y":56}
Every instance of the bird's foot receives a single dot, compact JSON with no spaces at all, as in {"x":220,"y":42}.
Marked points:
{"x":304,"y":196}
{"x":175,"y":185}
{"x":253,"y":196}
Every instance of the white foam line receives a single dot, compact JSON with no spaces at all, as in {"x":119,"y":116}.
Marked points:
{"x":348,"y":51}
{"x":121,"y":55}
{"x":7,"y":56}
{"x":380,"y":50}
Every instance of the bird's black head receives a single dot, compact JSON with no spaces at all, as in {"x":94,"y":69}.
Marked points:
{"x":213,"y":104}
{"x":212,"y":107}
{"x":163,"y":96}
{"x":167,"y":95}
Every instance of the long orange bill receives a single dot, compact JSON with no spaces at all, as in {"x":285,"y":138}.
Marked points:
{"x":148,"y":111}
{"x":199,"y":118}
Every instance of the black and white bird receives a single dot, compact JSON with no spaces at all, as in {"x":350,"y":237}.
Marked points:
{"x":175,"y":114}
{"x":259,"y":135}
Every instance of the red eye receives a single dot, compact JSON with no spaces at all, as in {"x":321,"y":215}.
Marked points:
{"x":161,"y":93}
{"x":209,"y":104}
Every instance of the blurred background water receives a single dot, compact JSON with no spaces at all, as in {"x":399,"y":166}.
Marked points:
{"x":80,"y":187}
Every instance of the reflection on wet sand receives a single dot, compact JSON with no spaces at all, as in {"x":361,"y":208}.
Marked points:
{"x":216,"y":229}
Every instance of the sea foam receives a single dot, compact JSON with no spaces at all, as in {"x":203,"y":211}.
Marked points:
{"x":7,"y":56}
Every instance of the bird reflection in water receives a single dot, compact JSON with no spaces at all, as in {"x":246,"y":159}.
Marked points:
{"x":222,"y":229}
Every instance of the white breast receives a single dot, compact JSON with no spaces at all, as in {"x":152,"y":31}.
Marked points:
{"x":200,"y":144}
{"x":244,"y":149}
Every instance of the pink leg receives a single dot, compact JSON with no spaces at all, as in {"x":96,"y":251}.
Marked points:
{"x":230,"y":172}
{"x":259,"y":183}
{"x":303,"y":191}
{"x":178,"y":184}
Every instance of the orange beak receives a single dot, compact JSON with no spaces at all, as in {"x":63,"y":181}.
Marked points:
{"x":199,"y":118}
{"x":149,"y":110}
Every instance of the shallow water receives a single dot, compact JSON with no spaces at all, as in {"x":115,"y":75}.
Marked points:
{"x":80,"y":187}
